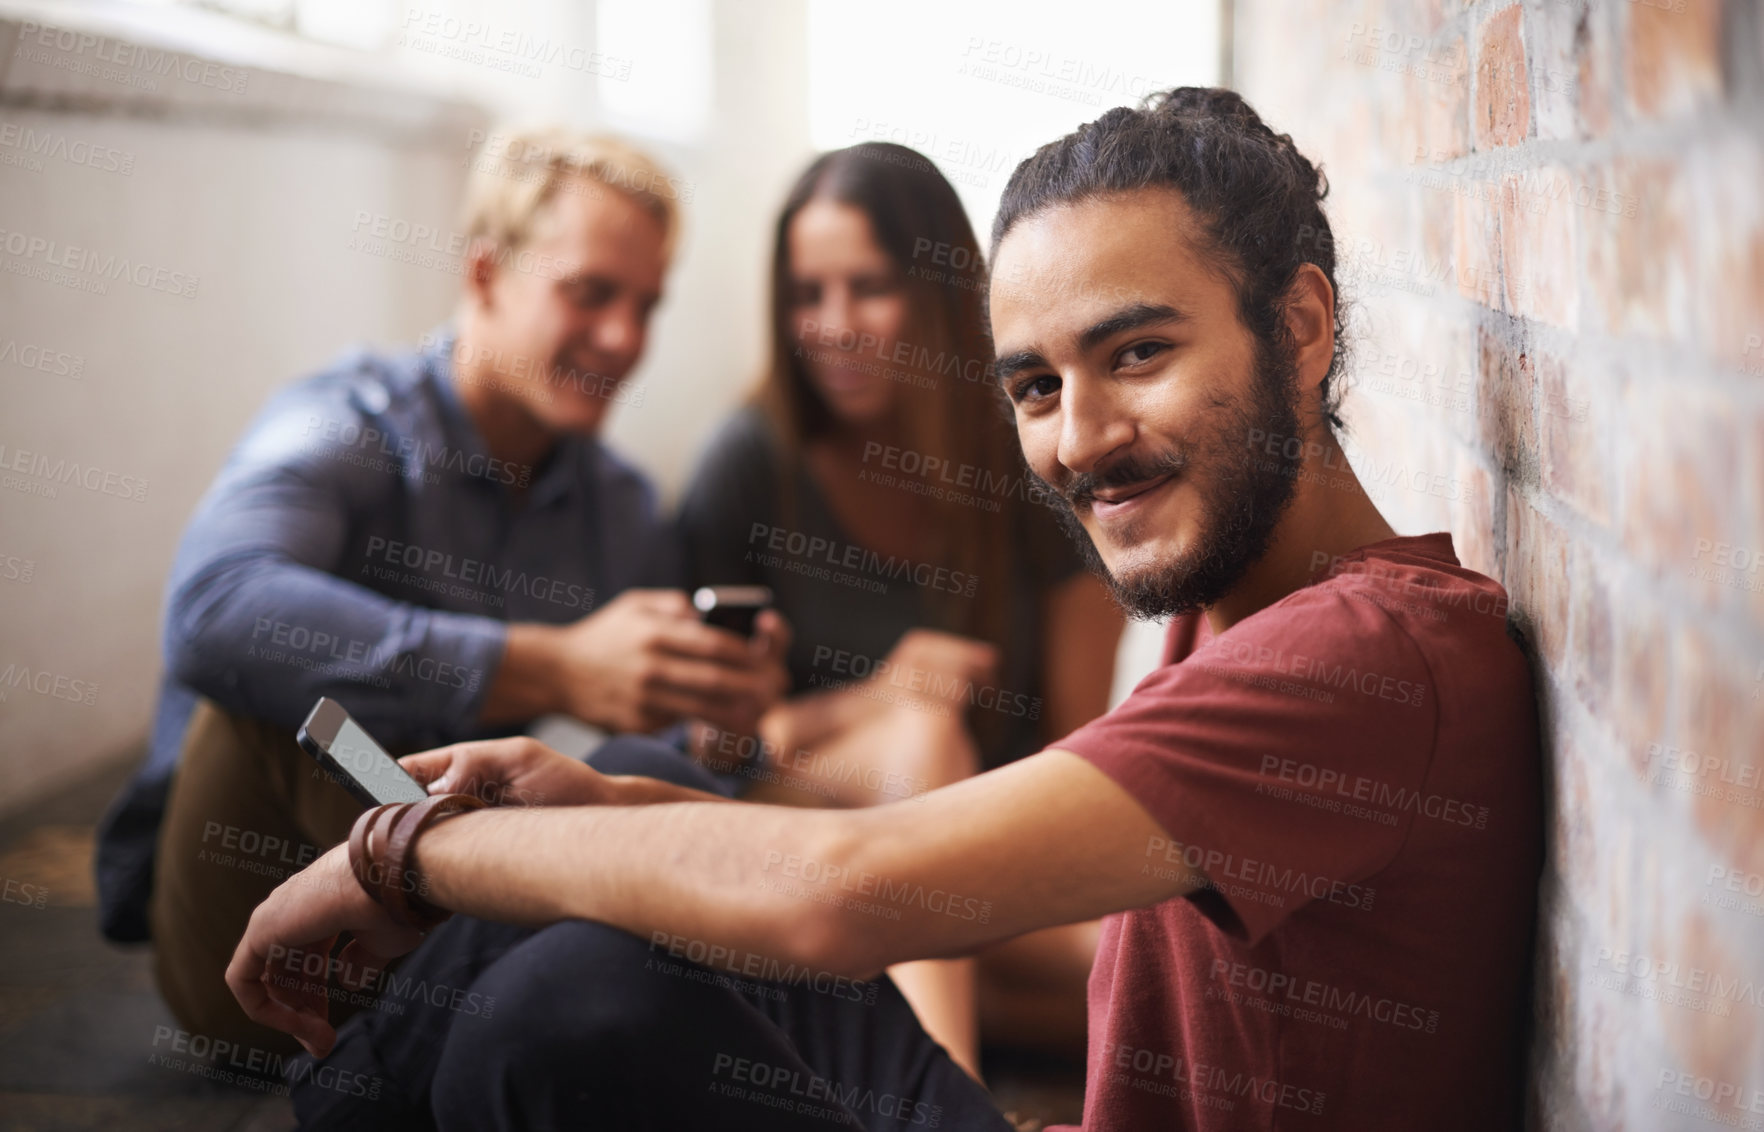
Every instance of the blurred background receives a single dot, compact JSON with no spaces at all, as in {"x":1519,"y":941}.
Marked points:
{"x":1552,"y":237}
{"x":255,"y":185}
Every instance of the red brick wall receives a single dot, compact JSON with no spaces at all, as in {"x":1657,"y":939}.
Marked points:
{"x":1551,"y":216}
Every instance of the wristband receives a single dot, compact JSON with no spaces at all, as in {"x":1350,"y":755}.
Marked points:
{"x":380,"y":849}
{"x":403,"y":885}
{"x":365,"y":850}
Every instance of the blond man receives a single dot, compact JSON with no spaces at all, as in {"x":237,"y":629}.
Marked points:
{"x":437,"y":540}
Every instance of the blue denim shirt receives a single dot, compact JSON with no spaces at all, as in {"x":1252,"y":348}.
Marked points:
{"x":362,"y":543}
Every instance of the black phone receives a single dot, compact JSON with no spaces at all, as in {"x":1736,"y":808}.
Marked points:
{"x":350,"y":755}
{"x":732,"y":607}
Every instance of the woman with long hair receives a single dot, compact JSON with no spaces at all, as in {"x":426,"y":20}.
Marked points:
{"x":943,"y":624}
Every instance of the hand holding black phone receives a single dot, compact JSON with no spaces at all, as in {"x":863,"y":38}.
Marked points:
{"x":732,"y":607}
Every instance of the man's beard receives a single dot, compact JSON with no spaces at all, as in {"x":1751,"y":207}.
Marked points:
{"x":1243,"y":501}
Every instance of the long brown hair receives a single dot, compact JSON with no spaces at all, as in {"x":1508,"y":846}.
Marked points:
{"x":948,"y":406}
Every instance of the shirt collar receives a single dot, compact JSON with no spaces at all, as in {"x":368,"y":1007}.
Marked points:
{"x":564,"y":470}
{"x":1436,"y":545}
{"x":437,"y":370}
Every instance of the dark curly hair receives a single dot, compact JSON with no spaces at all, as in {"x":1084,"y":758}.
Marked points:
{"x":1259,"y":200}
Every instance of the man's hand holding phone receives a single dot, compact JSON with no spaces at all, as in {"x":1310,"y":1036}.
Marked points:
{"x":519,"y":771}
{"x":644,"y":661}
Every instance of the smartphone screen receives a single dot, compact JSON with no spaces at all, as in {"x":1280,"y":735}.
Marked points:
{"x":368,"y":772}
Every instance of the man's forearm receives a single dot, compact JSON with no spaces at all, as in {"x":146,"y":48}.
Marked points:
{"x":697,"y":871}
{"x":525,"y":686}
{"x":1047,"y":840}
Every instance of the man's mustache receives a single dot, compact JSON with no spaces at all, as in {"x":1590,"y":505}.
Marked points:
{"x":1079,"y":490}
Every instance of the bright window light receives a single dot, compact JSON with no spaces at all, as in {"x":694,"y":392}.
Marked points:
{"x":658,"y":78}
{"x":366,"y":25}
{"x":978,"y":85}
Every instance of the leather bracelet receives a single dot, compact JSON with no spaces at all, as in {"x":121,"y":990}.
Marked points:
{"x":392,"y":885}
{"x":363,"y":850}
{"x":380,"y":847}
{"x":401,"y":884}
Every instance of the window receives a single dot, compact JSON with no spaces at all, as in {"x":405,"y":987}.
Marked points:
{"x":657,"y":78}
{"x":978,"y":85}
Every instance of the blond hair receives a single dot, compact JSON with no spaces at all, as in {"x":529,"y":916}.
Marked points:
{"x":518,"y":171}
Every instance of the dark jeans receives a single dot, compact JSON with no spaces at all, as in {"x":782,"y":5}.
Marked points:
{"x":580,"y":1025}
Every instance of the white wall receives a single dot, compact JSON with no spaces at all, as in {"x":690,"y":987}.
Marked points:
{"x":253,"y":202}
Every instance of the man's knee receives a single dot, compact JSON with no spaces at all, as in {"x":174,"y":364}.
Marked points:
{"x":571,"y":996}
{"x":227,"y":838}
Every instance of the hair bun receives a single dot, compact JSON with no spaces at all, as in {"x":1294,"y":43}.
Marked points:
{"x":1258,"y":198}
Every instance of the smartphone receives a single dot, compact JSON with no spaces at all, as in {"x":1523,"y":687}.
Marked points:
{"x":352,"y":757}
{"x":732,"y":607}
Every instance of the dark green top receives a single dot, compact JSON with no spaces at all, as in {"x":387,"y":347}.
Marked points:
{"x":849,"y":605}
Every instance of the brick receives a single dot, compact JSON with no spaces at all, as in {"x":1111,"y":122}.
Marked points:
{"x":1568,"y":57}
{"x":1373,"y":234}
{"x":1596,"y":69}
{"x":1412,"y":355}
{"x":1573,"y":847}
{"x":1377,"y":421}
{"x":1401,"y":466}
{"x":1680,"y":485}
{"x":1700,"y":517}
{"x":1473,"y":518}
{"x":1423,"y":17}
{"x":1728,"y":226}
{"x":1458,"y":349}
{"x":1751,"y":504}
{"x":1673,"y":54}
{"x":1539,"y":265}
{"x":1388,"y":37}
{"x":1377,"y":256}
{"x":1639,"y":260}
{"x":1589,"y":614}
{"x":1583,"y":1088}
{"x":1641,"y":672}
{"x":1537,"y":577}
{"x":1476,"y":249}
{"x":1349,"y":142}
{"x":1550,"y":33}
{"x":1574,"y":420}
{"x":1438,"y":192}
{"x":1505,"y":400}
{"x":1724,"y":725}
{"x":1502,"y":105}
{"x":1430,"y":481}
{"x":1718,"y":1047}
{"x":1591,"y":781}
{"x":1435,"y":103}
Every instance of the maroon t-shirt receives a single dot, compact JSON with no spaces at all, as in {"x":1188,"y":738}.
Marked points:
{"x":1354,"y":773}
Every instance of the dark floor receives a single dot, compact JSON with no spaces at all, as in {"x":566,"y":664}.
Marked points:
{"x":79,"y":1017}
